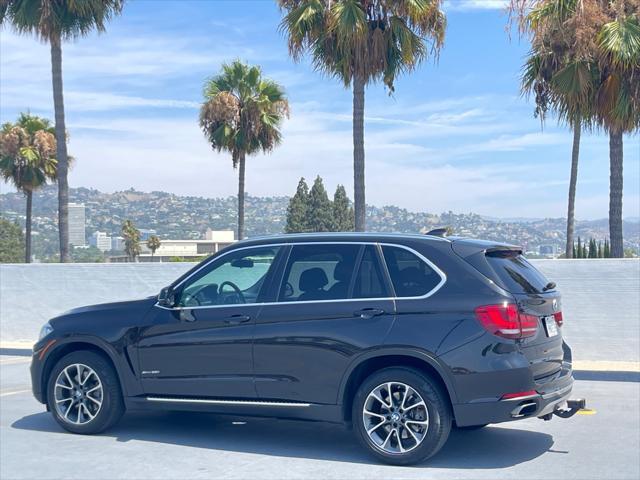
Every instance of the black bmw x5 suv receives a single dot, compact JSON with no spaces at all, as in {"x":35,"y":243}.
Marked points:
{"x":400,"y":336}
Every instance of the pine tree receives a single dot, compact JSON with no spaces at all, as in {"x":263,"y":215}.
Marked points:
{"x":607,"y":249}
{"x":579,"y":248}
{"x":343,"y":217}
{"x":297,"y":212}
{"x":320,"y":213}
{"x":592,"y":248}
{"x":599,"y":249}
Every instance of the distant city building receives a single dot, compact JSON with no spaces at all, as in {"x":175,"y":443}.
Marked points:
{"x":547,"y":249}
{"x":145,"y":233}
{"x":215,"y":240}
{"x":101,"y":241}
{"x":117,"y":244}
{"x":77,"y":234}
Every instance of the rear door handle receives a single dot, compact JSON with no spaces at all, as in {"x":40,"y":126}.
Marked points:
{"x":369,"y":313}
{"x":236,"y":319}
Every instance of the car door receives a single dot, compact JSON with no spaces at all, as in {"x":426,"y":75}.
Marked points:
{"x":333,"y":303}
{"x":202,"y":346}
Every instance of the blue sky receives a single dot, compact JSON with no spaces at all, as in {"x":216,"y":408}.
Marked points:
{"x":456,"y":135}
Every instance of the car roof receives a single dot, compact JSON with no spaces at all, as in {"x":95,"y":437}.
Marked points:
{"x":355,"y":237}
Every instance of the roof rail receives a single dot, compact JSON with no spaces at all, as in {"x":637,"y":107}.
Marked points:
{"x":438,"y":232}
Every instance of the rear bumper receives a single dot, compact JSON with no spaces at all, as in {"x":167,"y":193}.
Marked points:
{"x":545,"y":401}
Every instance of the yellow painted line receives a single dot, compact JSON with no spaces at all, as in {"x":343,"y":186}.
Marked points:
{"x":13,"y":392}
{"x":22,"y":344}
{"x":605,"y":366}
{"x":586,"y":411}
{"x":14,"y":360}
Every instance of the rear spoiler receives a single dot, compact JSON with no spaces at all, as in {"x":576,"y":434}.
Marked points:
{"x":503,"y":251}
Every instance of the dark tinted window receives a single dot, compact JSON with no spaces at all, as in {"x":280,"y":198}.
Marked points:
{"x":410,"y":276}
{"x":515,"y":273}
{"x":319,"y":272}
{"x":369,"y":281}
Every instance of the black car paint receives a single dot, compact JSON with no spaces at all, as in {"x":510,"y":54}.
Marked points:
{"x":310,"y":353}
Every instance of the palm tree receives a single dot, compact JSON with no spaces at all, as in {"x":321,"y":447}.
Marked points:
{"x":131,"y":237}
{"x":27,"y":159}
{"x":54,"y":21}
{"x":359,"y":42}
{"x":153,"y":244}
{"x":242,"y":114}
{"x":27,"y":150}
{"x":560,"y":82}
{"x":605,"y":34}
{"x":618,"y":101}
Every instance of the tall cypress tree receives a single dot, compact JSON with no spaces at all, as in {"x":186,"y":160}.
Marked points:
{"x":599,"y":249}
{"x":575,"y":252}
{"x":607,"y":249}
{"x":298,"y":209}
{"x":579,"y":248}
{"x":320,"y":213}
{"x":343,"y":217}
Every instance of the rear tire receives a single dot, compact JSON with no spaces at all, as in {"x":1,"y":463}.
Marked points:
{"x":401,"y":416}
{"x":84,"y":394}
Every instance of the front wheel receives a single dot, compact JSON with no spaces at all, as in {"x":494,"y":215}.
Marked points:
{"x":401,"y":416}
{"x":84,"y":394}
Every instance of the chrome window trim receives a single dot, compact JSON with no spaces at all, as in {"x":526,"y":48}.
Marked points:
{"x":443,"y":276}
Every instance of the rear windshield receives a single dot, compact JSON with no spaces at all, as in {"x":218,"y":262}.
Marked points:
{"x":515,"y":273}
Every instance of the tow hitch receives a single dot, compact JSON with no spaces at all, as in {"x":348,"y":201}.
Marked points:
{"x":573,"y":407}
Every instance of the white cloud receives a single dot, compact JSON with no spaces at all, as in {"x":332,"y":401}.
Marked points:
{"x":465,"y":5}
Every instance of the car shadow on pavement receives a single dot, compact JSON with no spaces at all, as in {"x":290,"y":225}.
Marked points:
{"x":480,"y":449}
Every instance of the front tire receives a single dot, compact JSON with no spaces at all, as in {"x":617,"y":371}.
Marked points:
{"x":84,"y":394}
{"x":401,"y":416}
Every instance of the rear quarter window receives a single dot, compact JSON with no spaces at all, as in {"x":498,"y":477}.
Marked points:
{"x":515,"y":273}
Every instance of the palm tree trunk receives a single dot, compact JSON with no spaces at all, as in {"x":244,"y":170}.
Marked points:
{"x":27,"y":243}
{"x":241,"y":167}
{"x":358,"y":153}
{"x":615,"y":193}
{"x":61,"y":150}
{"x":573,"y":179}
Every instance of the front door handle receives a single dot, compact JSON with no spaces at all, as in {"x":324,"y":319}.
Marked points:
{"x":367,"y":313}
{"x":236,"y":319}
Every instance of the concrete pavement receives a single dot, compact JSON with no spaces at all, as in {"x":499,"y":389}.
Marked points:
{"x":604,"y":444}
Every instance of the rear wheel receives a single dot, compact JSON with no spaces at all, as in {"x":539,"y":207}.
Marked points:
{"x":84,"y":394}
{"x":401,"y":416}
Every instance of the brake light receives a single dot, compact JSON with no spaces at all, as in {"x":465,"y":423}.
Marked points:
{"x":511,"y":396}
{"x":506,"y":321}
{"x":559,"y":319}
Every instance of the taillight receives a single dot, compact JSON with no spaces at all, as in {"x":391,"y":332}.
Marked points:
{"x":559,"y":319}
{"x":512,"y":396}
{"x":506,"y":321}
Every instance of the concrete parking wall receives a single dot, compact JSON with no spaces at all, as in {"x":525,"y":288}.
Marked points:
{"x":601,"y":298}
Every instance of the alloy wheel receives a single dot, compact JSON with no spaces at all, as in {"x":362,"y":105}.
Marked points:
{"x":78,"y":394}
{"x":395,"y":418}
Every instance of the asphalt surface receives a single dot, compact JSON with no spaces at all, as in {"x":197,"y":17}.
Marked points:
{"x":602,"y":444}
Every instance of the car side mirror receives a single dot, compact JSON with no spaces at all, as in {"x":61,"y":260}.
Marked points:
{"x":166,"y":297}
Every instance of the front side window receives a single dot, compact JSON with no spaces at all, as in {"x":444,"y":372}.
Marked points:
{"x":410,"y":275}
{"x":235,"y":279}
{"x":319,"y":272}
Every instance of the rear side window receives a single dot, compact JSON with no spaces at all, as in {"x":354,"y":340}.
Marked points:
{"x":319,"y":272}
{"x":369,"y":280}
{"x":410,"y":275}
{"x":515,"y":273}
